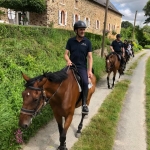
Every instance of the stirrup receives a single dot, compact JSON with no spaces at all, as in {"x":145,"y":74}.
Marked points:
{"x":85,"y":109}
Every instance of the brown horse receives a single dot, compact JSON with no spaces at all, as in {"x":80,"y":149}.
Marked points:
{"x":61,"y":90}
{"x":113,"y":65}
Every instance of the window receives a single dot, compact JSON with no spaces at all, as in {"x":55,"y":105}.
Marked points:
{"x":97,"y":24}
{"x":76,"y":3}
{"x":62,"y":17}
{"x":87,"y":21}
{"x":75,"y":18}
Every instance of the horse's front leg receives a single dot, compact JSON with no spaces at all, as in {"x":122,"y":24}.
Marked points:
{"x":78,"y":133}
{"x":108,"y":80}
{"x":114,"y":75}
{"x":63,"y":132}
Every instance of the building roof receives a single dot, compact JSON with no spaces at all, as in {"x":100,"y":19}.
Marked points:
{"x":110,"y":6}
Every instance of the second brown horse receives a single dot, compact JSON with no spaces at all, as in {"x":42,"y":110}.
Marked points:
{"x":61,"y":90}
{"x":113,"y":64}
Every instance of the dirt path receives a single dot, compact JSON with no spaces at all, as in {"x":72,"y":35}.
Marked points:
{"x":131,"y":134}
{"x":47,"y":138}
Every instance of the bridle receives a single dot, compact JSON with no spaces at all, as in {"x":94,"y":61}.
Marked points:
{"x":36,"y":111}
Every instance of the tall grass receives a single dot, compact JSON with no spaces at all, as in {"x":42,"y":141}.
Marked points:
{"x":147,"y":82}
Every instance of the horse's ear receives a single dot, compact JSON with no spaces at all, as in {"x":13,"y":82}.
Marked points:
{"x":25,"y":76}
{"x":41,"y":83}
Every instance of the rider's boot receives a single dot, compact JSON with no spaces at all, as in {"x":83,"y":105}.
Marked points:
{"x":85,"y":109}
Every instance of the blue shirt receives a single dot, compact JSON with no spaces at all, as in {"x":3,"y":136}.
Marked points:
{"x":79,"y":51}
{"x":117,"y":46}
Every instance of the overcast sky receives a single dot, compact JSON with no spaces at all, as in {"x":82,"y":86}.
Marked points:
{"x":128,"y":9}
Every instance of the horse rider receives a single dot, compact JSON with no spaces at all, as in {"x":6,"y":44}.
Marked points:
{"x":129,"y":48}
{"x":132,"y":48}
{"x":118,"y":47}
{"x":78,"y":50}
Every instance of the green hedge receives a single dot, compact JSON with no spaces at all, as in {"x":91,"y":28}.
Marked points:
{"x":147,"y":46}
{"x":31,"y":50}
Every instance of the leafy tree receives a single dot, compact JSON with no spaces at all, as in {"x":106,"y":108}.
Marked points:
{"x":37,"y":6}
{"x":147,"y":11}
{"x":146,"y":28}
{"x":126,"y":24}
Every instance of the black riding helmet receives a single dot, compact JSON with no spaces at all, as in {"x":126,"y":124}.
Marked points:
{"x":79,"y":24}
{"x":118,"y":36}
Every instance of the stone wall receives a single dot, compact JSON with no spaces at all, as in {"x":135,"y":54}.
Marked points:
{"x":5,"y":16}
{"x":84,"y":9}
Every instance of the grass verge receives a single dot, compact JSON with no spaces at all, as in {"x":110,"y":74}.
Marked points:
{"x":147,"y":82}
{"x":100,"y":133}
{"x":133,"y":66}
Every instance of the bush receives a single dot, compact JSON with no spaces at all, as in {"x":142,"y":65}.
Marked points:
{"x":31,"y":50}
{"x":147,"y":46}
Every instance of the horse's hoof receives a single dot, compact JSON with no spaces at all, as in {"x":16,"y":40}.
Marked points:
{"x":77,"y":135}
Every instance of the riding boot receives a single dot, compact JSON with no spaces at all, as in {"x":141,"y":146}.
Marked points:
{"x":85,"y":109}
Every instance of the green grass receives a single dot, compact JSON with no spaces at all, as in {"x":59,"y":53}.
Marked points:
{"x":100,"y":133}
{"x":147,"y":82}
{"x":133,"y":66}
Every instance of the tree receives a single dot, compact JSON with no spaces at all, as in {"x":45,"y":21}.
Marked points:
{"x":37,"y":6}
{"x":147,"y":12}
{"x":146,"y":28}
{"x":126,"y":24}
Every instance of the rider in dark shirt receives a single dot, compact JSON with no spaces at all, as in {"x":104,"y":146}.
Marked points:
{"x":118,"y":47}
{"x":132,"y":48}
{"x":78,"y":50}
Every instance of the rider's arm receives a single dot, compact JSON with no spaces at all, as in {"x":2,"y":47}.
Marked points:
{"x":90,"y":64}
{"x":90,"y":61}
{"x":111,"y":48}
{"x":66,"y":56}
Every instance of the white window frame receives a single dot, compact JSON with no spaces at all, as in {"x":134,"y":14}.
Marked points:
{"x":17,"y":18}
{"x":60,"y":17}
{"x":87,"y":23}
{"x":97,"y":25}
{"x":74,"y":18}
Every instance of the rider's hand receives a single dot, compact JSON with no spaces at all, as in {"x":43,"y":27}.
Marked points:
{"x":69,"y":63}
{"x":90,"y":74}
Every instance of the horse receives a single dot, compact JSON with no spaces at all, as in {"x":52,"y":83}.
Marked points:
{"x":113,"y":63}
{"x":127,"y":55}
{"x":61,"y":90}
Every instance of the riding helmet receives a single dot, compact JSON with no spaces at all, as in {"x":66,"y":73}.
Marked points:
{"x":79,"y":24}
{"x":118,"y":36}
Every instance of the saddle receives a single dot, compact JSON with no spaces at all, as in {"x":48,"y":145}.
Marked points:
{"x":77,"y":76}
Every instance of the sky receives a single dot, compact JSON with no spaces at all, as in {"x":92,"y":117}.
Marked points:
{"x":128,"y":9}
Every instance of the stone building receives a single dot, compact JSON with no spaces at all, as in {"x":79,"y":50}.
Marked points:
{"x":64,"y":13}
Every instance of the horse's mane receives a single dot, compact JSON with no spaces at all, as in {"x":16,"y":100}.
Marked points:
{"x":57,"y":76}
{"x":111,"y":53}
{"x":31,"y":81}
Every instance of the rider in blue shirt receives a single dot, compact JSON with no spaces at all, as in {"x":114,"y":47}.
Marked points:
{"x":78,"y":51}
{"x":118,"y":47}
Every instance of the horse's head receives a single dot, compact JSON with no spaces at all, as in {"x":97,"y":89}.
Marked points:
{"x":109,"y":62}
{"x":33,"y":99}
